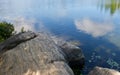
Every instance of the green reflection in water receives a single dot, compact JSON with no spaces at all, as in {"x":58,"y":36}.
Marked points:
{"x":112,"y":5}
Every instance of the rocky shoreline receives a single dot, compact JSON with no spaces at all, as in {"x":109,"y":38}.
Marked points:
{"x":32,"y":53}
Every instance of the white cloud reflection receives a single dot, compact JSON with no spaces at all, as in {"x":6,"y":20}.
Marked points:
{"x":115,"y":39}
{"x":93,"y":28}
{"x":19,"y":22}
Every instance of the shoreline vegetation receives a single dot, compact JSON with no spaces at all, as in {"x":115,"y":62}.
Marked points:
{"x":6,"y":30}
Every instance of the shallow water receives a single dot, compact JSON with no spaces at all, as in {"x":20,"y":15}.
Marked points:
{"x":94,"y":23}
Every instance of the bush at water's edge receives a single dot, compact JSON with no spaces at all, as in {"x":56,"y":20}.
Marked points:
{"x":6,"y":30}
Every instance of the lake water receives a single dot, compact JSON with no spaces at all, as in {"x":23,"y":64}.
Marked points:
{"x":94,"y":23}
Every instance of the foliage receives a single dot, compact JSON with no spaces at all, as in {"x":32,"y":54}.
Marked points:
{"x":22,"y":30}
{"x":6,"y":30}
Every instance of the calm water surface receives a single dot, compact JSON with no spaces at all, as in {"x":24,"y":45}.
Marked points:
{"x":94,"y":23}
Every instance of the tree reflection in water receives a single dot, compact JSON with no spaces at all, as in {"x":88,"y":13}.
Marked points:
{"x":112,"y":5}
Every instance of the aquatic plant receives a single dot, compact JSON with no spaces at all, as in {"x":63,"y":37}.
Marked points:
{"x":113,"y":63}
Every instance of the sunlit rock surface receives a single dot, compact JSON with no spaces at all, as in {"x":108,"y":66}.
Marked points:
{"x":103,"y":71}
{"x":35,"y":54}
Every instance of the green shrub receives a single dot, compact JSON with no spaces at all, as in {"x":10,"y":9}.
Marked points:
{"x":6,"y":30}
{"x":22,"y":30}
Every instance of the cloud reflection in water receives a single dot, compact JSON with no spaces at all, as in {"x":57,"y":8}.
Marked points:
{"x":28,"y":24}
{"x":21,"y":22}
{"x":93,"y":28}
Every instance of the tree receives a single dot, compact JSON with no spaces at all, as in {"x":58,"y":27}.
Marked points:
{"x":6,"y":30}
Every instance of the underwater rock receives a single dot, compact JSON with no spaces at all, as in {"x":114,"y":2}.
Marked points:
{"x":35,"y":54}
{"x":103,"y":71}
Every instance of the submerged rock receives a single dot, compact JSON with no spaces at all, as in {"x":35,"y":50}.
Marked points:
{"x":103,"y":71}
{"x":37,"y":54}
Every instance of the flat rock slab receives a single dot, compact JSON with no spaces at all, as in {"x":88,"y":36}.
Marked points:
{"x":33,"y":54}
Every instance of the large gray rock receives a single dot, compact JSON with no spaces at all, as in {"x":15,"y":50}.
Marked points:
{"x":103,"y":71}
{"x":73,"y":53}
{"x":33,"y":54}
